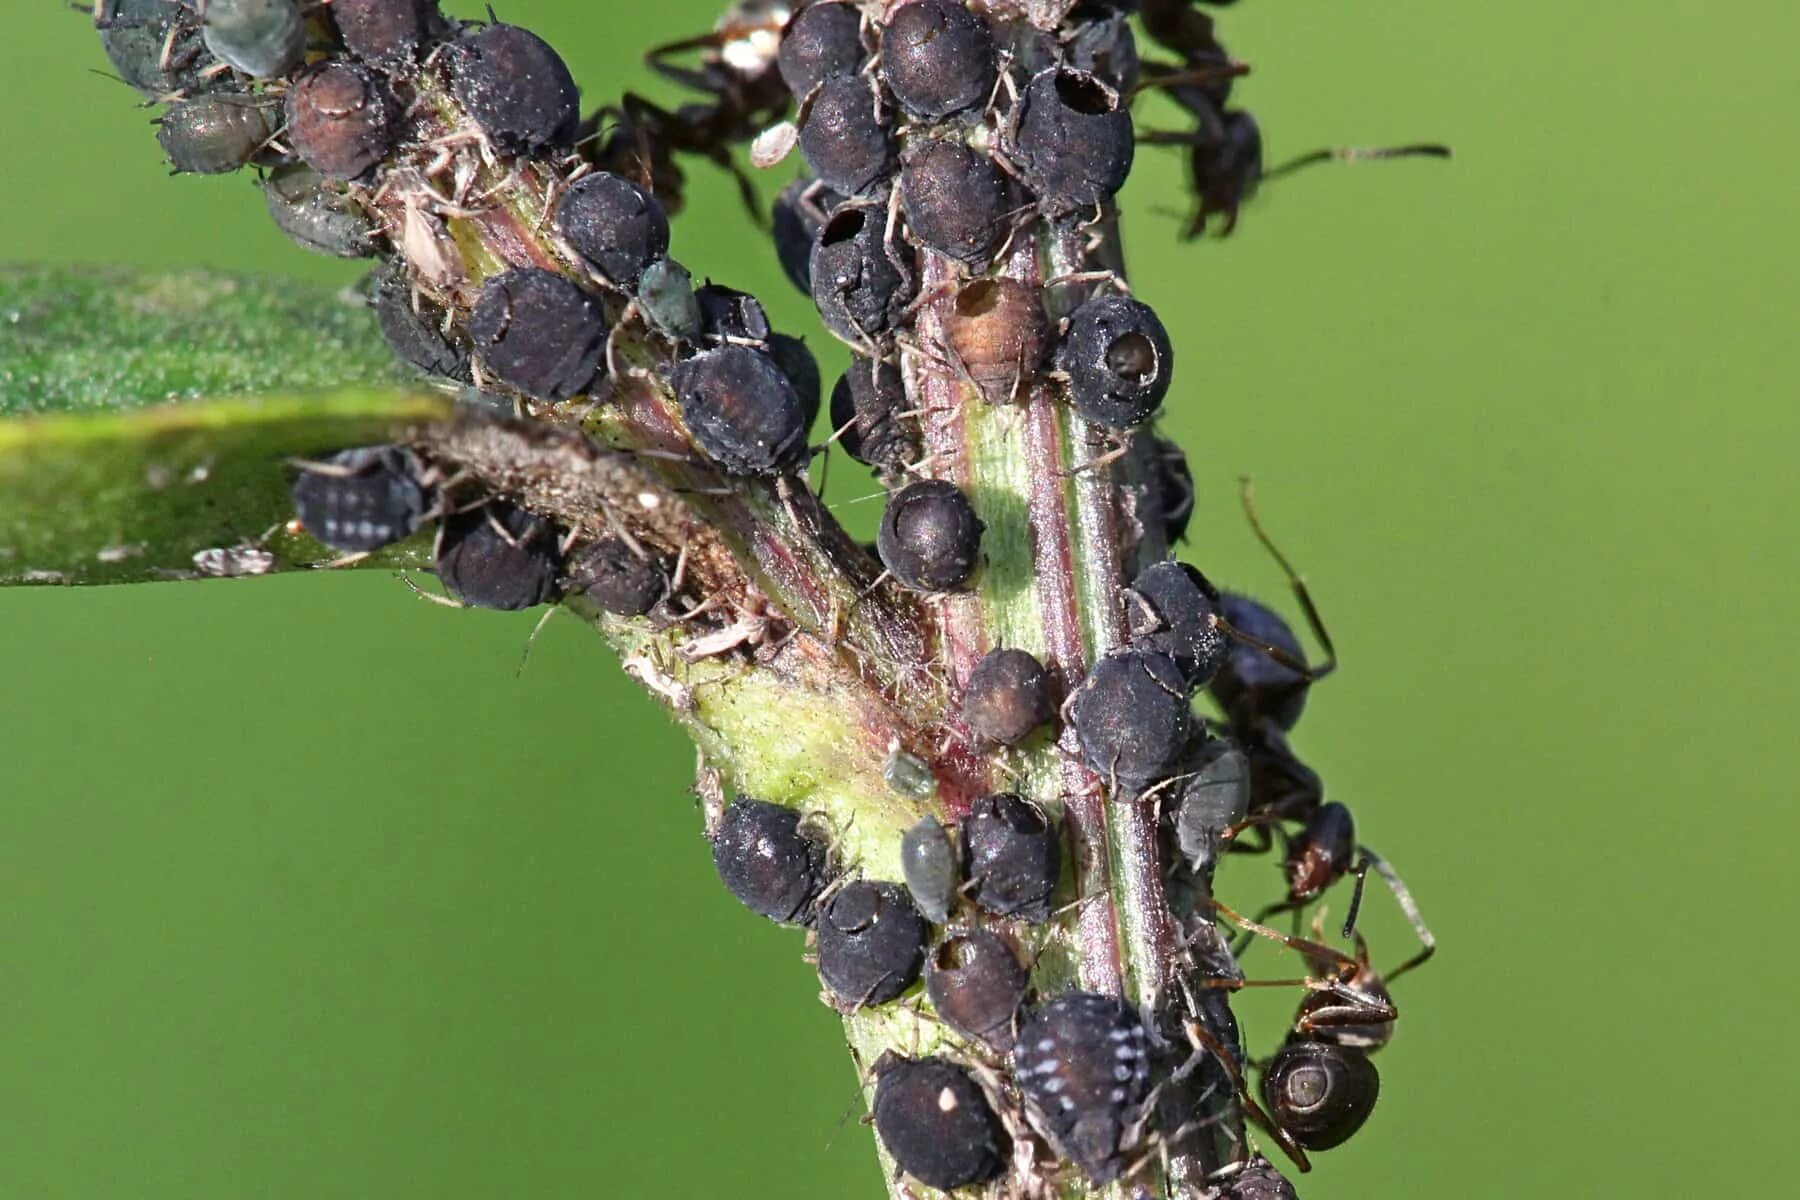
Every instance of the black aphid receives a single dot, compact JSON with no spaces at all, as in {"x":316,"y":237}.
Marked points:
{"x":1082,"y":1062}
{"x":263,"y":38}
{"x":498,"y":556}
{"x":363,"y":499}
{"x":937,"y":58}
{"x":1012,"y":855}
{"x":1131,"y":717}
{"x":515,"y":86}
{"x":728,"y":315}
{"x":217,"y":132}
{"x":977,"y":983}
{"x":1320,"y":1094}
{"x":844,"y":138}
{"x":1258,"y":1181}
{"x":614,"y":224}
{"x":1175,"y":482}
{"x":954,"y":199}
{"x":928,"y":864}
{"x":764,"y":858}
{"x":795,"y":219}
{"x":742,"y":412}
{"x":802,"y":370}
{"x":1172,"y":608}
{"x":319,"y":215}
{"x":858,"y":286}
{"x":822,"y":41}
{"x":617,"y":578}
{"x":1073,"y":138}
{"x":536,"y":331}
{"x":154,"y":45}
{"x":1119,"y":361}
{"x":1009,"y":694}
{"x":937,"y":1123}
{"x":866,"y":405}
{"x":387,"y":33}
{"x":340,"y":119}
{"x":414,"y":327}
{"x":871,"y":942}
{"x":1212,"y":795}
{"x":930,"y":537}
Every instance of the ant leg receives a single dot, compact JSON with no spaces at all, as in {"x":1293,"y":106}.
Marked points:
{"x":1409,"y":906}
{"x":1352,"y":154}
{"x":1361,"y":871}
{"x":1247,"y":493}
{"x":1201,"y":1039}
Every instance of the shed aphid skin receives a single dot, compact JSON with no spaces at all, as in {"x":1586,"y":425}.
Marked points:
{"x":977,"y":985}
{"x":1012,"y":854}
{"x":860,"y":283}
{"x":498,"y":556}
{"x":769,"y":862}
{"x":937,"y":1123}
{"x":362,"y":500}
{"x":930,"y":537}
{"x":871,"y":943}
{"x":1082,"y":1063}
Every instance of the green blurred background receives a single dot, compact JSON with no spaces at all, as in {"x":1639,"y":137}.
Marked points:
{"x":305,"y":891}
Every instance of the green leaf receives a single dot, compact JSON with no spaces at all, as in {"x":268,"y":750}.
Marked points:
{"x":148,"y":421}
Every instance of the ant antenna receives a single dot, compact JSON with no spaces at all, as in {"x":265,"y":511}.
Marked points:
{"x":1354,"y":154}
{"x":1296,"y":581}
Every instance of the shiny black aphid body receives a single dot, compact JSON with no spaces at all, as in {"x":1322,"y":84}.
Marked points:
{"x":865,"y":406}
{"x":844,"y":138}
{"x":741,"y":410}
{"x":1174,"y":609}
{"x":617,"y":578}
{"x":1082,"y":1063}
{"x":1131,"y":717}
{"x":1073,"y":138}
{"x":414,"y":328}
{"x":1009,"y":695}
{"x":614,"y":225}
{"x":930,"y":537}
{"x":937,"y":58}
{"x":937,"y":1123}
{"x":498,"y":556}
{"x":765,"y":859}
{"x":518,"y":89}
{"x":361,"y":500}
{"x":822,"y":41}
{"x":536,"y":331}
{"x":871,"y":943}
{"x":1012,"y":856}
{"x":955,"y":200}
{"x":977,"y":983}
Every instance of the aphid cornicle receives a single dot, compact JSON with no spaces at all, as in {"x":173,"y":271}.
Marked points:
{"x":871,"y":943}
{"x":340,"y":119}
{"x":768,"y":862}
{"x":498,"y":556}
{"x":516,"y":87}
{"x":615,"y":225}
{"x":937,"y":1123}
{"x":937,"y":58}
{"x":263,"y":38}
{"x":618,"y":579}
{"x":1008,"y":696}
{"x":319,"y":215}
{"x":217,"y":132}
{"x":822,"y":41}
{"x":363,"y":499}
{"x":538,"y":332}
{"x":1073,"y":138}
{"x":1172,"y":608}
{"x":1012,"y":855}
{"x":1320,"y":1094}
{"x":741,"y":411}
{"x":1119,"y":361}
{"x":1083,"y":1066}
{"x":1131,"y":718}
{"x":928,"y":865}
{"x":930,"y":537}
{"x":844,"y":139}
{"x":977,"y":983}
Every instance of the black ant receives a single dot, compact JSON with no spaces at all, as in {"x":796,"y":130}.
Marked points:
{"x":736,"y":70}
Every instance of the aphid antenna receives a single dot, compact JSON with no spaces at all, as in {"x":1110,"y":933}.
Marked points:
{"x":1355,"y":154}
{"x":1296,"y":581}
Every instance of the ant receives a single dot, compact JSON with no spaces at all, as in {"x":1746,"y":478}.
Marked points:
{"x":736,"y":70}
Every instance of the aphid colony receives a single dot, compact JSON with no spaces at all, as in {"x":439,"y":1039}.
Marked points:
{"x":942,"y":132}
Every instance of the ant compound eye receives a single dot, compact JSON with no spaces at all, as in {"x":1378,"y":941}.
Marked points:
{"x":536,"y":331}
{"x":363,"y":499}
{"x":795,"y":219}
{"x":614,"y":225}
{"x":262,"y":38}
{"x":1321,"y":1094}
{"x":954,"y":199}
{"x":928,"y":864}
{"x":937,"y":1123}
{"x":617,"y":579}
{"x":666,"y":294}
{"x":414,"y":327}
{"x":871,"y":943}
{"x":1119,"y":361}
{"x":1073,"y":139}
{"x":1258,"y":1181}
{"x":1009,"y":695}
{"x":976,"y":984}
{"x":843,"y":138}
{"x":930,"y":537}
{"x":154,"y":45}
{"x":1083,"y":1064}
{"x":765,"y":860}
{"x":1251,"y":683}
{"x":387,"y":33}
{"x":318,"y":215}
{"x":498,"y":556}
{"x":515,"y":87}
{"x":1214,"y":796}
{"x":857,"y":286}
{"x":728,"y":315}
{"x":1173,"y":609}
{"x":217,"y":133}
{"x":866,"y":405}
{"x":1131,"y":718}
{"x":998,"y":330}
{"x":802,"y":370}
{"x":822,"y":41}
{"x":937,"y":58}
{"x":1013,"y":857}
{"x":340,"y":119}
{"x":1176,"y":483}
{"x":741,"y":410}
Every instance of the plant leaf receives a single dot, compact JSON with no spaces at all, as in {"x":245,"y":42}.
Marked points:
{"x":147,"y":420}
